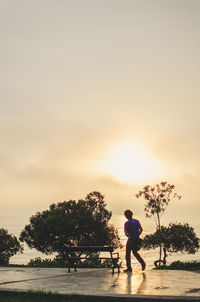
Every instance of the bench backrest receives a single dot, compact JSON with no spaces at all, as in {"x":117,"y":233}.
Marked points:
{"x":90,"y":249}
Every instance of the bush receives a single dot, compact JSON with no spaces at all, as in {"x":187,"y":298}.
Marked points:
{"x":38,"y":262}
{"x":9,"y":246}
{"x":174,"y":238}
{"x":58,"y":262}
{"x":178,"y":265}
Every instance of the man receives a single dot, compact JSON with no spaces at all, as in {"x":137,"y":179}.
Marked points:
{"x":132,"y":229}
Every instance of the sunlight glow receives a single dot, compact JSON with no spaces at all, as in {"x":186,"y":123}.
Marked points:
{"x":129,"y":162}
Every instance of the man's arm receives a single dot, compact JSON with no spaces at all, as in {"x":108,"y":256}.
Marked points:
{"x":140,"y":229}
{"x":126,"y":233}
{"x":125,"y":230}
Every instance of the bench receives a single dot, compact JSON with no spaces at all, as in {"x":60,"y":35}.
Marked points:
{"x":72,"y":257}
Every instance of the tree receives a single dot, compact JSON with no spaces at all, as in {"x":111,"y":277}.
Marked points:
{"x":9,"y":246}
{"x":82,"y":222}
{"x":158,"y":197}
{"x":174,"y":238}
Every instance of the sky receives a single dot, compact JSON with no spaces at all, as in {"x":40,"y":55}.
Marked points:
{"x":98,"y":95}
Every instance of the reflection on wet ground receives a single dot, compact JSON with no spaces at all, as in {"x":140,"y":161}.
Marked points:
{"x":101,"y":281}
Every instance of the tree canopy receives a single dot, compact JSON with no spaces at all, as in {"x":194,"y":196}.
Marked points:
{"x":174,"y":238}
{"x":82,"y":222}
{"x":9,"y":246}
{"x":158,"y":197}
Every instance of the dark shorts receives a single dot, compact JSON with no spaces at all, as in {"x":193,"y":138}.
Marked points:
{"x":134,"y":244}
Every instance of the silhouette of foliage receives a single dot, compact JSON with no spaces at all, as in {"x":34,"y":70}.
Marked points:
{"x":71,"y":223}
{"x":60,"y":262}
{"x":178,"y":265}
{"x":174,"y":238}
{"x":158,"y":197}
{"x":9,"y":246}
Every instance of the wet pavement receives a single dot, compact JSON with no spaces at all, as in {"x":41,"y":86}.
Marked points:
{"x":102,"y":282}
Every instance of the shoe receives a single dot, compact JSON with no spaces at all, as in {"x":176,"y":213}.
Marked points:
{"x":128,"y":270}
{"x":143,"y":266}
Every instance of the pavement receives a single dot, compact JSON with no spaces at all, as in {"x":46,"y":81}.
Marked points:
{"x":165,"y":284}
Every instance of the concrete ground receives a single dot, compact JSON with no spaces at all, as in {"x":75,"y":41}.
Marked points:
{"x":102,"y":282}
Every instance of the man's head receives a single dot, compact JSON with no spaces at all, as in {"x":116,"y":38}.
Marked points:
{"x":128,"y":214}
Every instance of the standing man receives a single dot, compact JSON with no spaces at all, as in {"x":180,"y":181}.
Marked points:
{"x":132,"y":229}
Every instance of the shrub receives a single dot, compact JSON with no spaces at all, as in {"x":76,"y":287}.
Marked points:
{"x":174,"y":238}
{"x":9,"y":246}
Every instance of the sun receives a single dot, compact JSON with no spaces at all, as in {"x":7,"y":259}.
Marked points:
{"x":129,"y":162}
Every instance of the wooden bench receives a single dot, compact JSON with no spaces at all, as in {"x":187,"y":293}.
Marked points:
{"x":75,"y":253}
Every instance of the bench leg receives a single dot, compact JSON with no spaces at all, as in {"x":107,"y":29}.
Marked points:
{"x":71,"y":264}
{"x":115,"y":265}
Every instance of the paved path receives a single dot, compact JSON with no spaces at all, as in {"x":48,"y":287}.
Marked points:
{"x":102,"y":282}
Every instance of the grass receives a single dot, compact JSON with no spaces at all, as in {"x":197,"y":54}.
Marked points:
{"x":42,"y":296}
{"x":6,"y":296}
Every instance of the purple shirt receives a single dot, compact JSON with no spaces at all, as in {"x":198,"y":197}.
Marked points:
{"x":132,"y":227}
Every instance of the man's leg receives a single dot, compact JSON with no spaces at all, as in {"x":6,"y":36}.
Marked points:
{"x":139,"y":258}
{"x":128,"y":255}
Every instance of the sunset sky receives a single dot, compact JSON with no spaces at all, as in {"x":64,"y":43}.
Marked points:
{"x":98,"y":95}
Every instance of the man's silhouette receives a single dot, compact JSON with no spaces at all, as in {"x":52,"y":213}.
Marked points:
{"x":132,"y":229}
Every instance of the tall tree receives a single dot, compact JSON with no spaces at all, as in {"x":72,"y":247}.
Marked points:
{"x":157,"y":199}
{"x":82,"y":222}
